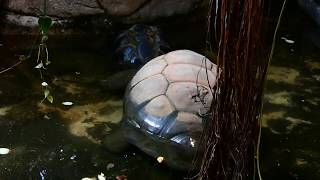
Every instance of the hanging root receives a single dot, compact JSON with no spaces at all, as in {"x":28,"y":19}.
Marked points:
{"x":230,"y":137}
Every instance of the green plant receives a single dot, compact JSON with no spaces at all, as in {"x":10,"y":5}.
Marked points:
{"x":44,"y":23}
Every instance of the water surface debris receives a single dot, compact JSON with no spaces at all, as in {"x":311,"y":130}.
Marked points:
{"x":101,"y":176}
{"x":4,"y":151}
{"x":44,"y":84}
{"x":67,"y":103}
{"x":110,"y":166}
{"x":87,"y":178}
{"x":160,"y":159}
{"x":40,"y":65}
{"x":289,"y":41}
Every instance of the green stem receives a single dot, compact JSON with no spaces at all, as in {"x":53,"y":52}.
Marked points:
{"x":44,"y":7}
{"x":16,"y":64}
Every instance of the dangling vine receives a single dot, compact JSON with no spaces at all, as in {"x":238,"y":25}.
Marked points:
{"x":231,"y":137}
{"x":44,"y":24}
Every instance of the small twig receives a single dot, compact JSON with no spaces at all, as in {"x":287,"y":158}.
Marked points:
{"x":39,"y":52}
{"x":47,"y":55}
{"x":16,"y":64}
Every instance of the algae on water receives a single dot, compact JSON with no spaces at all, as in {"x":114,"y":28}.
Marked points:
{"x":283,"y":75}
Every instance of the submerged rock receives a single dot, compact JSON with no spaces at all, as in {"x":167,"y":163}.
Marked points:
{"x":162,"y":8}
{"x":121,"y":7}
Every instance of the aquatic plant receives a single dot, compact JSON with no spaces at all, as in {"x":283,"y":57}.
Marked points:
{"x":44,"y":24}
{"x":231,"y":137}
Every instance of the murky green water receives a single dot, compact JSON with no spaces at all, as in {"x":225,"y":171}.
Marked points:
{"x":53,"y":141}
{"x":290,"y":139}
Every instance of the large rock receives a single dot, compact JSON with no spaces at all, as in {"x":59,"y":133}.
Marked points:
{"x":57,"y":8}
{"x":75,"y":12}
{"x":121,"y":7}
{"x":163,"y":8}
{"x":141,"y":10}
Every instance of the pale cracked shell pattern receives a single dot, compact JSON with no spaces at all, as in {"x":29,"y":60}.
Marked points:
{"x":189,"y":73}
{"x":185,"y":97}
{"x":159,"y":107}
{"x":171,"y":92}
{"x":153,"y":67}
{"x":189,"y":57}
{"x":148,"y":89}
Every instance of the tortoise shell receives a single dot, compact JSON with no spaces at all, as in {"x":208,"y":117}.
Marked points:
{"x":166,"y":103}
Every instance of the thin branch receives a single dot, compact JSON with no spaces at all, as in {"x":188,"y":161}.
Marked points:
{"x":16,"y":64}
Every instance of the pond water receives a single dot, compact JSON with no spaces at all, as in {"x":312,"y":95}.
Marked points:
{"x":290,"y":135}
{"x":54,"y":141}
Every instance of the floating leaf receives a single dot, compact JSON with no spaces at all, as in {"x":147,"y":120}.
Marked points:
{"x":47,"y":63}
{"x":101,"y":176}
{"x":110,"y":166}
{"x":40,"y":65}
{"x":87,"y":178}
{"x":160,"y":159}
{"x":67,"y":103}
{"x":44,"y":84}
{"x":23,"y":57}
{"x":44,"y":23}
{"x":50,"y":98}
{"x":46,"y":93}
{"x":192,"y":142}
{"x":4,"y":151}
{"x":289,"y":41}
{"x":44,"y":38}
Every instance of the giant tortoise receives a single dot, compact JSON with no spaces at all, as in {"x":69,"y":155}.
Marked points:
{"x":166,"y":104}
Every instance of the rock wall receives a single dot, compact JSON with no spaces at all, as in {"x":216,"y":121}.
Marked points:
{"x":56,"y":8}
{"x":20,"y":12}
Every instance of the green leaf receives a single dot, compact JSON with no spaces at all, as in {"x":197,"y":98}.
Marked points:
{"x":46,"y":93}
{"x":50,"y":98}
{"x":44,"y":23}
{"x":47,"y":62}
{"x":44,"y":38}
{"x":23,"y":57}
{"x":40,"y":65}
